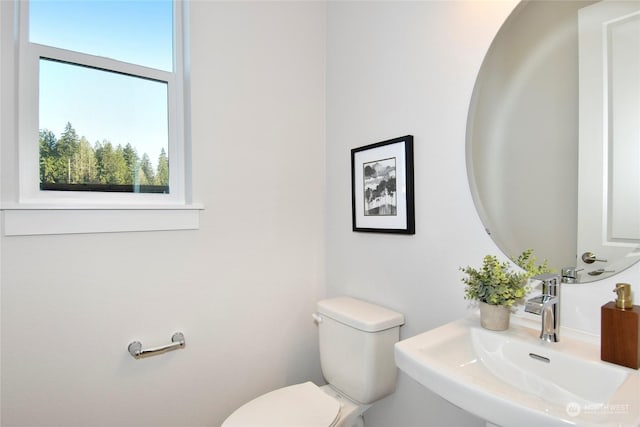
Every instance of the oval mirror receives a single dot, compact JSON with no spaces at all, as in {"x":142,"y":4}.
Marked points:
{"x":553,"y":135}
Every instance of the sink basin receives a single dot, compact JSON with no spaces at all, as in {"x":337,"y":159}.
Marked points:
{"x":511,"y":378}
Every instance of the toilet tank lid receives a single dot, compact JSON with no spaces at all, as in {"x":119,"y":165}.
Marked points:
{"x":360,"y":314}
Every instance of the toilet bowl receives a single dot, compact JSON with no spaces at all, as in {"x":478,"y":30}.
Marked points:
{"x":356,"y":340}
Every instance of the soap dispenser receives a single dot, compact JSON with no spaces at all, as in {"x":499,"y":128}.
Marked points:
{"x":620,"y":329}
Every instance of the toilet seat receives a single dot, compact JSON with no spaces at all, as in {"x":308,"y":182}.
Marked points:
{"x":293,"y":406}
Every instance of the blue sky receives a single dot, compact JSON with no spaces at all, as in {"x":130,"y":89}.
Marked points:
{"x":102,"y":105}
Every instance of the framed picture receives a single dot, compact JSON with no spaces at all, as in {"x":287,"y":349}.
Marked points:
{"x":382,"y":187}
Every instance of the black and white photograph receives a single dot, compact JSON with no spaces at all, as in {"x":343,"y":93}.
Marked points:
{"x":380,"y":188}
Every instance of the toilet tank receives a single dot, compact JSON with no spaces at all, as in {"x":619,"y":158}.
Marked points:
{"x":356,"y":342}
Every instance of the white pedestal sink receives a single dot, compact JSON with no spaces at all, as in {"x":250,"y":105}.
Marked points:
{"x":512,"y":379}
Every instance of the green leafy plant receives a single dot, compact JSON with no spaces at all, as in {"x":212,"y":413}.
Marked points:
{"x":497,"y":283}
{"x":527,"y":261}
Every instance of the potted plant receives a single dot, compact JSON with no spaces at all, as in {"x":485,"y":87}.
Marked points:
{"x":498,"y":286}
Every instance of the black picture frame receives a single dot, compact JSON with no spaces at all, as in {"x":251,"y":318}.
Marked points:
{"x":382,"y":187}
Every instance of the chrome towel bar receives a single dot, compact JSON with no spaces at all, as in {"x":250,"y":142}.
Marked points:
{"x":135,"y":348}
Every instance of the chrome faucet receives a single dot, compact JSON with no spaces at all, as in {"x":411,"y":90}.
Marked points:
{"x":547,"y":306}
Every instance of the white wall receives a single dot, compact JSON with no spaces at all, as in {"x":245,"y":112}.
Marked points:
{"x":397,"y":68}
{"x":241,"y":288}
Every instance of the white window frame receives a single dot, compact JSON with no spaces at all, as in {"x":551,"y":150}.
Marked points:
{"x":27,"y":209}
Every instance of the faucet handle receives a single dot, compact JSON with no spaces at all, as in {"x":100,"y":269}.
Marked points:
{"x":570,"y":274}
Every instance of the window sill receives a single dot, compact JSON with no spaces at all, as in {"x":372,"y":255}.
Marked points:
{"x":30,"y":220}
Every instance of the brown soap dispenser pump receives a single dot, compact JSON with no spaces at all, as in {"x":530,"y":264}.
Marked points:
{"x":620,"y":329}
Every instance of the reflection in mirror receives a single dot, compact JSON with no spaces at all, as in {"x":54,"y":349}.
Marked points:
{"x":609,"y":133}
{"x":523,"y":143}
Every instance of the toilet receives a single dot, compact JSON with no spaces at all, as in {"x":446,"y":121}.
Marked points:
{"x":356,"y":342}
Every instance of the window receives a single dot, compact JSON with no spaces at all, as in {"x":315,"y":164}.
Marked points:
{"x":101,"y":113}
{"x":105,"y":74}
